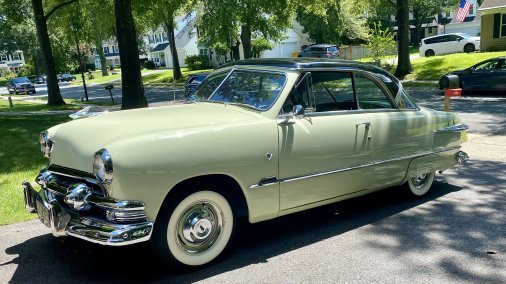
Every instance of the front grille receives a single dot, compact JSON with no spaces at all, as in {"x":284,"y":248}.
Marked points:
{"x":65,"y":177}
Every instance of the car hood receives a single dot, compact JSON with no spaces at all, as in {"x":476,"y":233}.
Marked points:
{"x":76,"y":142}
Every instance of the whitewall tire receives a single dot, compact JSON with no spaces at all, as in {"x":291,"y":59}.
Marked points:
{"x":419,"y":185}
{"x":198,"y":229}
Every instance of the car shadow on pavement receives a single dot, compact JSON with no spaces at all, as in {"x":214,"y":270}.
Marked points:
{"x":49,"y":259}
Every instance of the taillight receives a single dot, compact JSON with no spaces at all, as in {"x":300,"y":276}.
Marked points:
{"x":328,"y":54}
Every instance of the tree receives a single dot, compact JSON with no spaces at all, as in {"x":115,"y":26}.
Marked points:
{"x":338,"y":22}
{"x":224,"y":20}
{"x":404,"y":62}
{"x":53,"y":90}
{"x":424,"y":12}
{"x":157,"y":14}
{"x":131,"y":79}
{"x":98,"y":26}
{"x":260,"y":45}
{"x":17,"y":31}
{"x":380,"y":41}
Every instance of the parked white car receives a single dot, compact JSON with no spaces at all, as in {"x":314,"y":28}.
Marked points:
{"x":449,"y":43}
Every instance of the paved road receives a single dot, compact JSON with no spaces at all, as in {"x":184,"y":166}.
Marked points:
{"x":97,"y":93}
{"x":455,"y":234}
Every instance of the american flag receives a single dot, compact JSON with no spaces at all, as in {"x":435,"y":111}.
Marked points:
{"x":463,"y":10}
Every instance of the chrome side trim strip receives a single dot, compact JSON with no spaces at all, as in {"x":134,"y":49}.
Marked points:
{"x":378,"y":162}
{"x":454,"y":128}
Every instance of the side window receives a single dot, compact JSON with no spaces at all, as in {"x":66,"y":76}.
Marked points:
{"x":333,"y":91}
{"x":369,"y":95}
{"x":487,"y":66}
{"x":298,"y":96}
{"x":403,"y":100}
{"x":208,"y":87}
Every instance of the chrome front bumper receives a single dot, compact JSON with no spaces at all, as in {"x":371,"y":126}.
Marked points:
{"x":64,"y":222}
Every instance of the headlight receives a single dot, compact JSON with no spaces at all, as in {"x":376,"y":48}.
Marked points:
{"x":102,"y":166}
{"x":46,"y":144}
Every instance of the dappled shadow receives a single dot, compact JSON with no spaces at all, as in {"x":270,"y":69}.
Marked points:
{"x":464,"y":231}
{"x":75,"y":260}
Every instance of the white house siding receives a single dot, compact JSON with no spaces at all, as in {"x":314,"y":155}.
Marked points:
{"x":472,"y":28}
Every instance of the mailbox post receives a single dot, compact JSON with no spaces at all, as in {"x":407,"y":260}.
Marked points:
{"x":450,"y":85}
{"x":109,"y":88}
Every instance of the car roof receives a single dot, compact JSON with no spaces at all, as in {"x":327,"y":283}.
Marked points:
{"x":322,"y":45}
{"x":444,"y":35}
{"x":304,"y":63}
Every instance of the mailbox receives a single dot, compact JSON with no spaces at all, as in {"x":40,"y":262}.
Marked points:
{"x":109,"y":87}
{"x":449,"y":82}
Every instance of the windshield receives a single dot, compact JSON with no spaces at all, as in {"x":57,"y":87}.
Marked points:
{"x":255,"y":89}
{"x":464,"y":35}
{"x":20,"y":80}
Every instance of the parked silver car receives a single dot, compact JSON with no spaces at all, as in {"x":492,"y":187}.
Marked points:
{"x":320,"y":51}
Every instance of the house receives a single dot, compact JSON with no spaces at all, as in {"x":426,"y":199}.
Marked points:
{"x":185,"y":39}
{"x":471,"y":24}
{"x":11,"y":62}
{"x":493,"y":25}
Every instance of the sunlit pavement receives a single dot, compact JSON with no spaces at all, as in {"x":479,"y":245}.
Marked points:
{"x":455,"y":234}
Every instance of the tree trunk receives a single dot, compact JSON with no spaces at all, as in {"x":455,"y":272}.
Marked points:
{"x":101,"y":55}
{"x":176,"y":69}
{"x":235,"y":51}
{"x":246,"y":41}
{"x":131,"y":78}
{"x":54,"y":97}
{"x":404,"y":63}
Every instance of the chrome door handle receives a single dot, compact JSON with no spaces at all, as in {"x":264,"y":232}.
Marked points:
{"x":367,"y":124}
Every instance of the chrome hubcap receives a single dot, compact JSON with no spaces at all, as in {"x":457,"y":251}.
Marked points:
{"x":199,"y":226}
{"x":419,"y":180}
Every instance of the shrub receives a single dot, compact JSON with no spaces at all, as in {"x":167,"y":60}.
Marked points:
{"x":149,"y":65}
{"x":381,"y":41}
{"x":196,"y":62}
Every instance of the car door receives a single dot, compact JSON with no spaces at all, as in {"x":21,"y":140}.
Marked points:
{"x":397,"y":129}
{"x":483,"y":76}
{"x":325,"y":153}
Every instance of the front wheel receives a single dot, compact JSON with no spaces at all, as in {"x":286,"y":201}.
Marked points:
{"x":429,"y":53}
{"x":419,"y":185}
{"x":195,"y":229}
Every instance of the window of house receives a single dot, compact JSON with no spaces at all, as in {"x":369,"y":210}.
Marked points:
{"x":165,"y":38}
{"x":471,"y":10}
{"x":203,"y":51}
{"x":3,"y":57}
{"x":151,"y":39}
{"x":430,"y":30}
{"x":106,"y":49}
{"x":16,"y":56}
{"x":115,"y":49}
{"x":503,"y":25}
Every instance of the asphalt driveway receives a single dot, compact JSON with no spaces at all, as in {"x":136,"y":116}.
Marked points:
{"x":455,"y":234}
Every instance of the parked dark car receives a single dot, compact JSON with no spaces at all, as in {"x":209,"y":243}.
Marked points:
{"x":40,"y":79}
{"x":20,"y":85}
{"x":66,"y":78}
{"x":320,"y":51}
{"x":486,"y":76}
{"x":193,"y":82}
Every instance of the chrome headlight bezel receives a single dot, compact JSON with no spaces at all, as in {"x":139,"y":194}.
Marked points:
{"x":46,"y":144}
{"x":102,"y":166}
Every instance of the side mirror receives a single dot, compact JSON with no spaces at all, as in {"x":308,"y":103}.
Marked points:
{"x":298,"y":111}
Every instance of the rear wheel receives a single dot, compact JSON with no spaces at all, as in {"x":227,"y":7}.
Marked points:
{"x":429,"y":53}
{"x":469,"y":48}
{"x":419,"y":185}
{"x":194,"y":229}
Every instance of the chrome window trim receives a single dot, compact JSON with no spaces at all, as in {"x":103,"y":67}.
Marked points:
{"x":334,"y":171}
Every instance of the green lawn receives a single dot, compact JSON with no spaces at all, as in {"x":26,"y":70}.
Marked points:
{"x":33,"y":106}
{"x":20,"y":160}
{"x":3,"y":82}
{"x":165,"y":77}
{"x":432,"y":68}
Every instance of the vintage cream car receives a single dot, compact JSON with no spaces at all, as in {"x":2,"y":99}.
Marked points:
{"x":258,"y":139}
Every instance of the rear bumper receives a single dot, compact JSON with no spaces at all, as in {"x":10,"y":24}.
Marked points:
{"x":67,"y":223}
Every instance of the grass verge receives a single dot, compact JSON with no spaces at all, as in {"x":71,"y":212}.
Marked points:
{"x":20,"y":160}
{"x":432,"y":68}
{"x":166,"y":76}
{"x":20,"y":105}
